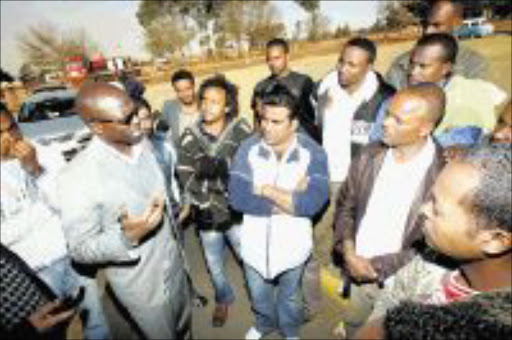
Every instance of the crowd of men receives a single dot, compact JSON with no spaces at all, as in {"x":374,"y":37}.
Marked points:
{"x":400,"y":184}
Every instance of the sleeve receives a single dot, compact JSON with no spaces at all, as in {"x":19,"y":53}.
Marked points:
{"x":500,"y":97}
{"x":316,"y":195}
{"x":94,"y":235}
{"x":15,"y":228}
{"x":400,"y":289}
{"x":240,"y":186}
{"x":378,"y":127}
{"x":191,"y":187}
{"x":345,"y":208}
{"x":307,"y":92}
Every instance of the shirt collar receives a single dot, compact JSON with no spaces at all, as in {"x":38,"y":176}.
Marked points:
{"x":132,"y":159}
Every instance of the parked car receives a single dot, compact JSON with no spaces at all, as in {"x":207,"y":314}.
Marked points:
{"x":474,"y":28}
{"x":48,"y":117}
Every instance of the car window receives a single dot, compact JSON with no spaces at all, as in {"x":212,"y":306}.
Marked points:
{"x":47,"y":109}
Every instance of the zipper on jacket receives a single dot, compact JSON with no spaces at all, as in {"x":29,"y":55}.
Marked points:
{"x":269,"y":229}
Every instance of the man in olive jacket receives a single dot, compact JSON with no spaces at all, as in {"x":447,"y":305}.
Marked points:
{"x":378,"y":204}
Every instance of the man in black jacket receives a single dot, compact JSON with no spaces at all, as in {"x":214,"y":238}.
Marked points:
{"x":301,"y":85}
{"x":205,"y":152}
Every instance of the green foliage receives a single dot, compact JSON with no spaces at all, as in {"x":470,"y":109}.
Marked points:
{"x":309,"y":6}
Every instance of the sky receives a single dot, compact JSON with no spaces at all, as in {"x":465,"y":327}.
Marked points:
{"x":114,"y":26}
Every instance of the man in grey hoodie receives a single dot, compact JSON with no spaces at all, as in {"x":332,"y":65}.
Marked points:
{"x":116,"y":214}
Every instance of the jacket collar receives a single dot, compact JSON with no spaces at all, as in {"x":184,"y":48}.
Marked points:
{"x":292,"y":154}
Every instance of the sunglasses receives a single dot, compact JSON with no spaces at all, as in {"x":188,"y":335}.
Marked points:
{"x":125,"y":121}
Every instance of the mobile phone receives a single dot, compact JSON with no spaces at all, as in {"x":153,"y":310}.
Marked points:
{"x":71,"y":301}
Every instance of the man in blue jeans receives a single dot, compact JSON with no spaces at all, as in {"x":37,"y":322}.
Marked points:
{"x":279,"y":180}
{"x":205,"y":151}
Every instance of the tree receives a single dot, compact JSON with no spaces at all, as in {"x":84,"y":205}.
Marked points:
{"x":200,"y":13}
{"x":233,"y":22}
{"x":46,"y":48}
{"x":342,"y":32}
{"x":263,"y":22}
{"x":395,"y":15}
{"x":317,"y":26}
{"x":298,"y":31}
{"x":166,"y":35}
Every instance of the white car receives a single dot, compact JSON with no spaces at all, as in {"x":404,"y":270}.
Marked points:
{"x":474,"y":28}
{"x":48,"y":117}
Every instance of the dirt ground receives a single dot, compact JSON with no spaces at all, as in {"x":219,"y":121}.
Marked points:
{"x":497,"y":48}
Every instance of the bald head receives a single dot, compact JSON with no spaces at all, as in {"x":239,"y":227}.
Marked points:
{"x":444,"y":17}
{"x":430,"y":97}
{"x":102,"y":101}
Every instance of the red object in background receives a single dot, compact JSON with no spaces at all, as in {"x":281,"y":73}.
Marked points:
{"x":98,"y":62}
{"x":75,"y":71}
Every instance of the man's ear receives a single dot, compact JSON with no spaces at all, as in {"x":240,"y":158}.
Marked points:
{"x":495,"y":241}
{"x":447,"y":69}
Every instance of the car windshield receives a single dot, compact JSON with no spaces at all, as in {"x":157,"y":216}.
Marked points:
{"x":50,"y":108}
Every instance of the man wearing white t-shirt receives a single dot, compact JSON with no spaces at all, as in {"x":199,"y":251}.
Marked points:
{"x":378,"y":204}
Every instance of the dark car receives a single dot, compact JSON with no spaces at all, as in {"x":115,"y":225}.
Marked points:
{"x":48,"y":117}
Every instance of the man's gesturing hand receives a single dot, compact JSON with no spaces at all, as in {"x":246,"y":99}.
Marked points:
{"x":136,"y":227}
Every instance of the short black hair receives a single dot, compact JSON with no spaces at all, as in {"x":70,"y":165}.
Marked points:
{"x":277,"y":94}
{"x":364,"y":44}
{"x":483,"y":316}
{"x":182,"y":74}
{"x":491,"y":201}
{"x":142,"y":102}
{"x":278,"y":42}
{"x":446,"y":41}
{"x":220,"y":81}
